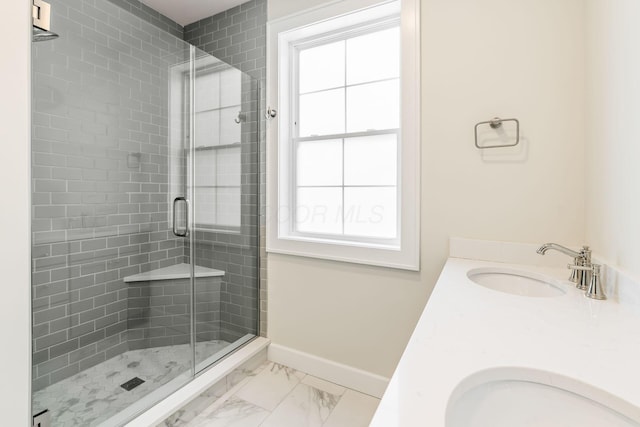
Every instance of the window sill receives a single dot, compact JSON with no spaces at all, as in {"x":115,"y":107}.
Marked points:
{"x":374,"y":255}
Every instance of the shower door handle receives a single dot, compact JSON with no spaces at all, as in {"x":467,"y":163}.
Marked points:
{"x":175,"y":217}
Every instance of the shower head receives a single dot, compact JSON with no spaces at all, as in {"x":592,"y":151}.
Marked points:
{"x":40,"y":35}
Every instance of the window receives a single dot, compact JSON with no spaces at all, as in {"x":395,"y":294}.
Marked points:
{"x":345,"y":135}
{"x":343,"y":157}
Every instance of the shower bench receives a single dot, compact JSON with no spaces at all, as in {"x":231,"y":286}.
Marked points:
{"x":159,"y":306}
{"x":178,"y":271}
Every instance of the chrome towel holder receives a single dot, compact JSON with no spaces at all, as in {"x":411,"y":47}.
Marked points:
{"x":496,"y":123}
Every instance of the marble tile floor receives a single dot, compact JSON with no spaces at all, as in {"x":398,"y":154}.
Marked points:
{"x":94,"y":395}
{"x":278,"y":396}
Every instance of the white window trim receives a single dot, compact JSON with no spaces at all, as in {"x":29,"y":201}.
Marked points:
{"x":279,"y":31}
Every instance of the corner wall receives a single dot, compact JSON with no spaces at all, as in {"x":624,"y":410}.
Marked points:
{"x":520,"y":59}
{"x":150,"y":15}
{"x":15,"y":307}
{"x":237,"y":37}
{"x":613,"y":132}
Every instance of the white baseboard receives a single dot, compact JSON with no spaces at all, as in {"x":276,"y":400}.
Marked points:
{"x":346,"y":376}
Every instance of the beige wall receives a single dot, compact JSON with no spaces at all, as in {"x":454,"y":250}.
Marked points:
{"x":15,"y":305}
{"x":521,"y":59}
{"x":613,"y":130}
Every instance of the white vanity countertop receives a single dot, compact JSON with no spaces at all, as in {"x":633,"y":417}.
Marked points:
{"x":466,"y":329}
{"x":178,"y":271}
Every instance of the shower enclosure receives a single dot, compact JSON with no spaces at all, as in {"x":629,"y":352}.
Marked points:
{"x":144,"y":214}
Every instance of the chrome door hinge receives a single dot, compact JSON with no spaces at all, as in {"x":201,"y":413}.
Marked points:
{"x":41,"y":13}
{"x":43,"y":419}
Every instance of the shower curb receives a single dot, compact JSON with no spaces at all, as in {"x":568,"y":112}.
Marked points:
{"x":166,"y":407}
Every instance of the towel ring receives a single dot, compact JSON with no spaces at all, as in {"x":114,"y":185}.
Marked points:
{"x":496,"y":123}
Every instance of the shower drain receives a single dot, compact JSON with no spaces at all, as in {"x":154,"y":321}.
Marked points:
{"x":132,"y":383}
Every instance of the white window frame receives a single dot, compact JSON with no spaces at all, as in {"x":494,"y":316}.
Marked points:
{"x":282,"y":34}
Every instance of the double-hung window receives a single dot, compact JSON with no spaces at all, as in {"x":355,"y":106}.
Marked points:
{"x":345,"y":135}
{"x":343,"y":160}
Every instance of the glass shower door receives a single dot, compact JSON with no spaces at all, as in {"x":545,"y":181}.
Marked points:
{"x":111,"y":336}
{"x":223,"y":186}
{"x":145,"y":214}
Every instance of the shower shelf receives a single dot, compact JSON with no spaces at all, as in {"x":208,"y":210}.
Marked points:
{"x":178,"y":271}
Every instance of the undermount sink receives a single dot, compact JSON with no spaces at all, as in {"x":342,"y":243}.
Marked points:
{"x":516,"y":282}
{"x":531,"y":402}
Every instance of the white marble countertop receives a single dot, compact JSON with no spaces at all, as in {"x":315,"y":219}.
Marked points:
{"x":177,"y":271}
{"x":467,"y":329}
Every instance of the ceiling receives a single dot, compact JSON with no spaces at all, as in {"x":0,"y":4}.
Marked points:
{"x":188,"y":11}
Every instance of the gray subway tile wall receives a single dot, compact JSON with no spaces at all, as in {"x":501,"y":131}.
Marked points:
{"x":238,"y":37}
{"x":99,"y":97}
{"x":99,"y":214}
{"x":150,"y":15}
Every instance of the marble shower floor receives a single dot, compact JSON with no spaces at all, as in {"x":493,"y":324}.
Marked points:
{"x":94,"y":395}
{"x":278,"y":396}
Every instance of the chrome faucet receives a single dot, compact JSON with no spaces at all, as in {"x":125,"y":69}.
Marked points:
{"x":582,"y":259}
{"x":584,"y":274}
{"x":594,"y":290}
{"x":544,"y":248}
